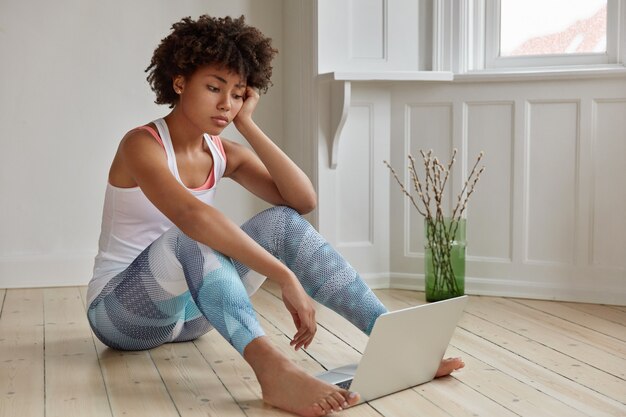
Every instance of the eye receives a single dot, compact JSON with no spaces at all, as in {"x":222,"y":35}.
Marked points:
{"x":237,"y":96}
{"x":213,"y":89}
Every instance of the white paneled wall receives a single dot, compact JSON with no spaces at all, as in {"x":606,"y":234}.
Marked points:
{"x":551,"y":141}
{"x":484,"y":121}
{"x":369,"y":34}
{"x":607,"y":247}
{"x":548,"y":217}
{"x":353,"y":208}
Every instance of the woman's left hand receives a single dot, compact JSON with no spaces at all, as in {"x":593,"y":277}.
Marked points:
{"x":250,"y":101}
{"x":302,"y":310}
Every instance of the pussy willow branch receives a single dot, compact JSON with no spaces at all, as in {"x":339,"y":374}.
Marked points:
{"x":424,"y":197}
{"x":452,"y":160}
{"x":393,"y":171}
{"x":469,"y":178}
{"x":428,"y":179}
{"x":430,"y":192}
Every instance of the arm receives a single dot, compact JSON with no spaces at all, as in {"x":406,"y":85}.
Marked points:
{"x":270,"y":174}
{"x":144,"y":161}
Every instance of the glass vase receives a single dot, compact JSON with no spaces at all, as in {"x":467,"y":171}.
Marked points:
{"x":444,"y":261}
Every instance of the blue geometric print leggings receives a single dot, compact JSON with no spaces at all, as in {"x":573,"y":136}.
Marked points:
{"x":178,"y":289}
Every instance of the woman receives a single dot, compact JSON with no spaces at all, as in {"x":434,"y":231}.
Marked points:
{"x":170,"y":266}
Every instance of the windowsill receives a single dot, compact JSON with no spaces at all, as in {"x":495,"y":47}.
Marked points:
{"x":387,"y":76}
{"x":493,"y":75}
{"x":545,"y":73}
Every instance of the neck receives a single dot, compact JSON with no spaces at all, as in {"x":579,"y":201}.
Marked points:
{"x":183,"y":133}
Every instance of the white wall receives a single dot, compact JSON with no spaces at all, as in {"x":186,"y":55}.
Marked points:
{"x":299,"y":54}
{"x":72,"y":82}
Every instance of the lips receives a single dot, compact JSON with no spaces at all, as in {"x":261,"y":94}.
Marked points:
{"x":220,"y":120}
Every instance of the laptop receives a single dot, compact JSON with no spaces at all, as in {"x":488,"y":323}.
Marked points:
{"x":404,"y":349}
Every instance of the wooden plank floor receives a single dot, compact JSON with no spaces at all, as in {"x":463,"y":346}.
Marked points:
{"x":523,"y":358}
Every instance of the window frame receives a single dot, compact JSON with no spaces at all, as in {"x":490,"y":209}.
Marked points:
{"x":484,"y":22}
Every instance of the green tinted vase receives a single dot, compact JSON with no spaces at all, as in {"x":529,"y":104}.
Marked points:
{"x":444,"y":260}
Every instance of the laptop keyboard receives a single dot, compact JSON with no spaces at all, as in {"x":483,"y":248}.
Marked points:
{"x":344,"y":384}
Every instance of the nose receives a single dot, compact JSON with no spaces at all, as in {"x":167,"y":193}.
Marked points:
{"x":224,"y":103}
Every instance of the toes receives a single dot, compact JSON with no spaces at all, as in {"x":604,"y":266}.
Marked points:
{"x":350,"y":398}
{"x":449,"y":365}
{"x":319,"y":410}
{"x":340,"y":399}
{"x":332,"y":401}
{"x":353,"y":398}
{"x":325,"y":405}
{"x":336,"y":401}
{"x":456,"y":363}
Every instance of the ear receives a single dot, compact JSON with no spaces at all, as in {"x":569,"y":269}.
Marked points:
{"x":178,"y":84}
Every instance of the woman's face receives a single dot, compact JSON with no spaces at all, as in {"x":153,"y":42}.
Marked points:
{"x":211,"y":97}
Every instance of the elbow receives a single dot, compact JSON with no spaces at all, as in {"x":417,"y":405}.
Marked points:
{"x":190,"y":219}
{"x":307,"y":204}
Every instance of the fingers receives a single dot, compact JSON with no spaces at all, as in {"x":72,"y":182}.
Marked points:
{"x":251,"y":92}
{"x":302,"y":342}
{"x":306,"y":331}
{"x":304,"y":336}
{"x":302,"y":310}
{"x":251,"y":99}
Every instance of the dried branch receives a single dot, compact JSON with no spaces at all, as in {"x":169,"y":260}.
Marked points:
{"x":441,"y":233}
{"x":395,"y":175}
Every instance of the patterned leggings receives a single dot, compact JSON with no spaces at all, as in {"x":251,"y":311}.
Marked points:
{"x":178,"y":289}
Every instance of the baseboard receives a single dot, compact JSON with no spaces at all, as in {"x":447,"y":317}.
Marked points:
{"x":377,"y":281}
{"x":61,"y":271}
{"x":594,"y":292}
{"x":45,"y":271}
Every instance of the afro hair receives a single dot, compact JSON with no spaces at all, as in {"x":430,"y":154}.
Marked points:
{"x":208,"y":40}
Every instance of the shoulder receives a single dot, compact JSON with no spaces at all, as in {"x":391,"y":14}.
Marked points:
{"x":140,"y":149}
{"x":142,"y":133}
{"x":229,"y":145}
{"x":141,"y":139}
{"x":137,"y":149}
{"x":236,"y":154}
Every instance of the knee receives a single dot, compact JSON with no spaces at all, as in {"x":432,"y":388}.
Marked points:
{"x":283,"y":211}
{"x":288,"y":216}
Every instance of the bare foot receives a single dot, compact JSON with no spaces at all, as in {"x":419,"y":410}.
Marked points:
{"x":293,"y":390}
{"x":286,"y":386}
{"x":448,"y":365}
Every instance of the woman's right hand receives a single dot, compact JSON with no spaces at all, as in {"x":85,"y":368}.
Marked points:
{"x":302,"y":310}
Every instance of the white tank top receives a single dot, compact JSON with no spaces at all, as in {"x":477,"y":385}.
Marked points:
{"x":130,"y":222}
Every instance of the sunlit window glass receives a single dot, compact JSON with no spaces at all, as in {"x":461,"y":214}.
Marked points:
{"x":552,"y":27}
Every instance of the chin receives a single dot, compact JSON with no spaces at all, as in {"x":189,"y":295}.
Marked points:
{"x":214,"y":131}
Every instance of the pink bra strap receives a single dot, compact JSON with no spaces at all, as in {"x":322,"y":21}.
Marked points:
{"x":220,"y":146}
{"x":152,"y":132}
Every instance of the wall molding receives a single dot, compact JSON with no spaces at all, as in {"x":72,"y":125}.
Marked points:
{"x":369,"y":120}
{"x":532,"y":106}
{"x":46,"y":271}
{"x":592,"y":292}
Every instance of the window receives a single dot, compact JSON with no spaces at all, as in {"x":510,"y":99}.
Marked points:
{"x":540,"y":33}
{"x":535,"y":28}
